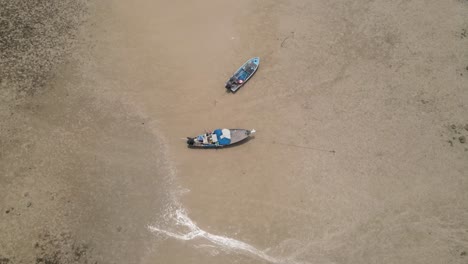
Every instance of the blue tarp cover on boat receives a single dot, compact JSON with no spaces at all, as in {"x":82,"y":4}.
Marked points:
{"x":223,"y":138}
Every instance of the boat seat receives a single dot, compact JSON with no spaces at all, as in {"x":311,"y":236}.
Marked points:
{"x":214,"y":138}
{"x":205,"y":139}
{"x":226,"y":133}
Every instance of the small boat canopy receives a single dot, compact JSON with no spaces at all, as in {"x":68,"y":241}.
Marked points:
{"x":223,"y":136}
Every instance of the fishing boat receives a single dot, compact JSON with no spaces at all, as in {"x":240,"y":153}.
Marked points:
{"x":219,"y":138}
{"x":242,"y":75}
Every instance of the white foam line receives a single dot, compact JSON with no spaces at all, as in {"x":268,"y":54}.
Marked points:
{"x":193,"y":231}
{"x":224,"y":242}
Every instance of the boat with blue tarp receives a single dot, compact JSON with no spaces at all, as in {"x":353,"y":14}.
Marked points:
{"x":219,"y":138}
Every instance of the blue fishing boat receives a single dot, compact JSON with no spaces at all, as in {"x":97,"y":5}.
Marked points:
{"x":242,"y":75}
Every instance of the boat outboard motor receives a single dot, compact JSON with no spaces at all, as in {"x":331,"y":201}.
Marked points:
{"x":230,"y":83}
{"x":190,"y":141}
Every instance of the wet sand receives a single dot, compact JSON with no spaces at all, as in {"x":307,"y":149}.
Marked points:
{"x":359,"y":157}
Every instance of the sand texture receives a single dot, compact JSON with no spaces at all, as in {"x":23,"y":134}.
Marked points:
{"x":360,"y":155}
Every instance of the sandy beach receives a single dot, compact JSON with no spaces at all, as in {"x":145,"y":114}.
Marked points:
{"x":360,"y":155}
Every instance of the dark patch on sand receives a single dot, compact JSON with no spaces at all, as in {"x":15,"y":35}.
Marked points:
{"x":462,"y":139}
{"x":35,"y":37}
{"x":62,"y":248}
{"x":457,"y":134}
